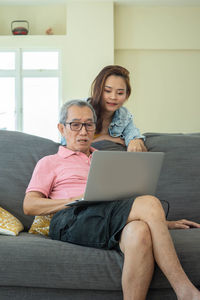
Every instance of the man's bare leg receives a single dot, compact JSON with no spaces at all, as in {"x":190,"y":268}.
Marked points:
{"x":136,"y":244}
{"x":149,"y":209}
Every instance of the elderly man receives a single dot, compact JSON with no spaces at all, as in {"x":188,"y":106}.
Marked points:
{"x":137,"y":227}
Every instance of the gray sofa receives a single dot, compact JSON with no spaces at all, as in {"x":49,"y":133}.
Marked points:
{"x":35,"y":267}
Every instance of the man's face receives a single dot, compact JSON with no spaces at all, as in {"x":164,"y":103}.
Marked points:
{"x":82,"y":139}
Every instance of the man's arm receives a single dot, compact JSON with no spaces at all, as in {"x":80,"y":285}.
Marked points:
{"x":36,"y":204}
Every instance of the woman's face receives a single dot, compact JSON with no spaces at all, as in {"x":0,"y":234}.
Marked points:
{"x":114,"y":93}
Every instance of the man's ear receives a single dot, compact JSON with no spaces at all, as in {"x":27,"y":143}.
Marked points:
{"x":61,"y":128}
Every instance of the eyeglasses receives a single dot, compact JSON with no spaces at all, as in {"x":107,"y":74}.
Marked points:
{"x":77,"y":126}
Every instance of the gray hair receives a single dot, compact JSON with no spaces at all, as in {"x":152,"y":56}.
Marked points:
{"x":68,"y":104}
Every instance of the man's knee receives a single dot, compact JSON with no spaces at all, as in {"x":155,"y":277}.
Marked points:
{"x":147,"y":207}
{"x":136,"y":235}
{"x":154,"y":207}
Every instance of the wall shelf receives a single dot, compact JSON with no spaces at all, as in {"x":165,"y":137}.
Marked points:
{"x":40,"y":18}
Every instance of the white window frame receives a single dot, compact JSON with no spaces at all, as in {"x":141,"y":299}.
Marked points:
{"x":19,"y":74}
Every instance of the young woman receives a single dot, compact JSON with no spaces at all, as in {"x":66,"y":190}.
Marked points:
{"x":110,"y":90}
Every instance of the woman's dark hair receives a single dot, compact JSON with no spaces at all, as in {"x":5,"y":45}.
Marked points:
{"x":98,"y":88}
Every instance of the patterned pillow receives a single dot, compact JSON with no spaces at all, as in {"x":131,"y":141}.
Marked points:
{"x":41,"y":224}
{"x":9,"y":225}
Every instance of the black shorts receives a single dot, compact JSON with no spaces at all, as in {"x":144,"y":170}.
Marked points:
{"x":96,"y":225}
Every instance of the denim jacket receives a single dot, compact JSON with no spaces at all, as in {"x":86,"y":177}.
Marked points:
{"x":122,"y":126}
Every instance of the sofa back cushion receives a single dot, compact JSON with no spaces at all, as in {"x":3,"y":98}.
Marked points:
{"x":179,"y":181}
{"x":19,"y":153}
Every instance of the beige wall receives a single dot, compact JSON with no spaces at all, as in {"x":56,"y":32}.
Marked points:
{"x":159,"y":45}
{"x":161,"y":48}
{"x":90,"y":45}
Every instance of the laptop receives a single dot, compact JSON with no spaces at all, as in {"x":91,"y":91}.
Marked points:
{"x":118,"y":175}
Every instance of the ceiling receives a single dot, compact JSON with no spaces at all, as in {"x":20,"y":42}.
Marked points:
{"x":127,"y":2}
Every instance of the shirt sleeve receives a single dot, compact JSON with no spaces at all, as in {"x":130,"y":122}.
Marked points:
{"x":131,"y":132}
{"x":42,"y":178}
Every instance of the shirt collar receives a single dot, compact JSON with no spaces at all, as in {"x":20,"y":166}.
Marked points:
{"x":64,"y":152}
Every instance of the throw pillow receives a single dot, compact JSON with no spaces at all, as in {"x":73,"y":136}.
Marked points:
{"x":9,"y":225}
{"x":40,"y":225}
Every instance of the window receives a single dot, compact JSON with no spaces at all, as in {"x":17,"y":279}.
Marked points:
{"x":30,"y":91}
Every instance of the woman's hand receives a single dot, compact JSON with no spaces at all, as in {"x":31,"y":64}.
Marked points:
{"x":182,"y":224}
{"x":136,"y":145}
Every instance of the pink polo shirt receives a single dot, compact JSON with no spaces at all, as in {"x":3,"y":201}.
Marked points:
{"x":62,"y":175}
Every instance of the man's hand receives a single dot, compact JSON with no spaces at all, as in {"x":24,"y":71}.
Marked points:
{"x":136,"y":145}
{"x":182,"y":224}
{"x":75,"y":198}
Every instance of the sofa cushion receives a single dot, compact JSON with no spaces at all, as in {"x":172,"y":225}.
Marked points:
{"x":180,"y":174}
{"x":56,"y":264}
